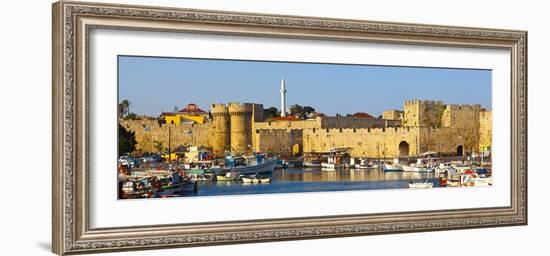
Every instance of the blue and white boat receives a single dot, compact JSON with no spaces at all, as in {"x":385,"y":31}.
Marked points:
{"x":258,"y":164}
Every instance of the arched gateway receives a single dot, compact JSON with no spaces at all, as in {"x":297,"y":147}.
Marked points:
{"x":460,"y":150}
{"x":403,"y":148}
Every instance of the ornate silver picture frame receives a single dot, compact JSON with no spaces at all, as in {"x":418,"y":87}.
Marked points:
{"x":74,"y":21}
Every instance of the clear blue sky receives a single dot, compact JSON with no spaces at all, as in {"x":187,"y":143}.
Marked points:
{"x":154,"y":84}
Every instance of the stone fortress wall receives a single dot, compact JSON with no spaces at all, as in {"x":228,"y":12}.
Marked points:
{"x":149,"y":134}
{"x":421,"y":126}
{"x":485,"y":130}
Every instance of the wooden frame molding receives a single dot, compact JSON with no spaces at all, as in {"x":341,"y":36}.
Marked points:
{"x":72,"y":23}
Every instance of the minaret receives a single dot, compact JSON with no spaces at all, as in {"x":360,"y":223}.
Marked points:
{"x":283,"y":98}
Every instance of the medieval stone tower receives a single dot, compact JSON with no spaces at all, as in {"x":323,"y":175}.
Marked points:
{"x":220,"y":128}
{"x":241,"y":127}
{"x":422,"y":113}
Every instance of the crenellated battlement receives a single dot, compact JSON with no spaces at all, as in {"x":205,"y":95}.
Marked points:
{"x":463,"y":107}
{"x":423,"y":102}
{"x":219,"y":109}
{"x":351,"y":131}
{"x":240,"y":108}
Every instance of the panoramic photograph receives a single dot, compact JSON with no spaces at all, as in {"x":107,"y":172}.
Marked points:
{"x":210,"y":127}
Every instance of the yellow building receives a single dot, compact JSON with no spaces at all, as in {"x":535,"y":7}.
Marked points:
{"x":190,"y":114}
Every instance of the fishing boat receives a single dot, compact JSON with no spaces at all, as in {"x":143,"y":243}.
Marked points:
{"x":425,"y":184}
{"x":337,"y":158}
{"x":175,"y":184}
{"x":427,"y":163}
{"x":178,"y":188}
{"x":393,"y":167}
{"x":281,"y":164}
{"x":265,"y":167}
{"x":364,"y":164}
{"x":257,"y":164}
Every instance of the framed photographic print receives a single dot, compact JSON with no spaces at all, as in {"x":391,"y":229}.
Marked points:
{"x":179,"y":127}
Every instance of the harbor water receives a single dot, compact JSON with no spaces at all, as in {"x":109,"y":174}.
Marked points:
{"x":315,"y":180}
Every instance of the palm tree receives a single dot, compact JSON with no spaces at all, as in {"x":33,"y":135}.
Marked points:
{"x":120,"y":111}
{"x":126,"y":107}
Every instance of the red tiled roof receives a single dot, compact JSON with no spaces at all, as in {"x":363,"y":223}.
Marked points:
{"x":286,"y":118}
{"x":167,"y":114}
{"x":192,"y":108}
{"x":362,"y":115}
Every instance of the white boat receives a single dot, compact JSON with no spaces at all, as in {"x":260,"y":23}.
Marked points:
{"x":230,"y":176}
{"x":423,"y":169}
{"x":256,"y":180}
{"x":364,"y":164}
{"x":446,"y":168}
{"x":425,"y":164}
{"x":336,"y":159}
{"x":266,"y":166}
{"x":425,"y":184}
{"x":475,"y":181}
{"x":461,"y":167}
{"x":393,"y":168}
{"x":331,"y":166}
{"x":313,"y":164}
{"x":408,"y":168}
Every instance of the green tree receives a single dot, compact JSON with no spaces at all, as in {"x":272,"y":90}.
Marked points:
{"x":296,"y":110}
{"x":131,"y":116}
{"x":125,"y":107}
{"x":308,"y":110}
{"x":301,"y":111}
{"x":271,"y":112}
{"x":120,"y":110}
{"x":126,"y":141}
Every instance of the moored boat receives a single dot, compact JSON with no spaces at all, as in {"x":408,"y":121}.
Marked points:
{"x":256,"y":180}
{"x":178,"y":188}
{"x":331,"y":166}
{"x":364,"y":164}
{"x":312,"y":164}
{"x":393,"y":168}
{"x":425,"y":184}
{"x":266,"y":166}
{"x":230,"y":176}
{"x":281,"y":164}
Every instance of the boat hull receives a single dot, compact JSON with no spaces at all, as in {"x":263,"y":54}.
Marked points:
{"x":267,"y":167}
{"x":393,"y":168}
{"x":178,"y":189}
{"x":255,"y":180}
{"x":311,"y":165}
{"x":225,"y":178}
{"x":328,"y":166}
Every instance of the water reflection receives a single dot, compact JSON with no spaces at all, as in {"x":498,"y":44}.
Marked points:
{"x":317,"y":175}
{"x":315,"y":180}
